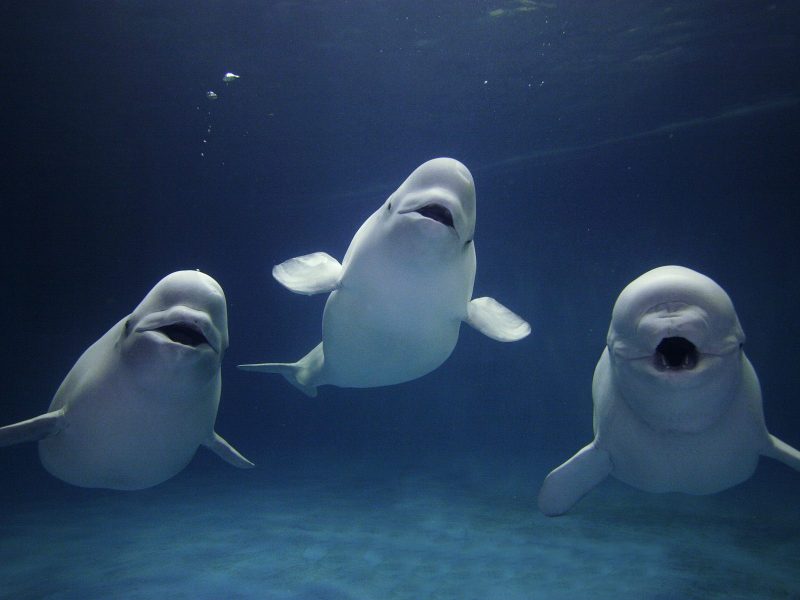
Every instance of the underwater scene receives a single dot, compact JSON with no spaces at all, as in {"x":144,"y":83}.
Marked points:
{"x":400,"y":300}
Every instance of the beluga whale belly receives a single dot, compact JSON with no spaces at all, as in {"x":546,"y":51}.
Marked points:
{"x":398,"y":298}
{"x":139,"y":402}
{"x":677,"y":404}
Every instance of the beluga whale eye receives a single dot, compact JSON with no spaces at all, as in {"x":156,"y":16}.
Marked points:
{"x":437,"y":212}
{"x":676,"y":354}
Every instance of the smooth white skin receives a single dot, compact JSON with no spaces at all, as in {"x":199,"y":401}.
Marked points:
{"x":136,"y":404}
{"x":699,"y":430}
{"x":405,"y":285}
{"x":675,"y":302}
{"x":703,"y":458}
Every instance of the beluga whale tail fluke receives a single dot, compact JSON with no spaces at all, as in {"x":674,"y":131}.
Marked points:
{"x":399,"y":296}
{"x":142,"y":399}
{"x":677,"y":404}
{"x":300,"y":374}
{"x":32,"y":430}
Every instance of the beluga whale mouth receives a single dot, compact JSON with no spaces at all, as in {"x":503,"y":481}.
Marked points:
{"x":437,"y":212}
{"x":184,"y":334}
{"x":676,"y":354}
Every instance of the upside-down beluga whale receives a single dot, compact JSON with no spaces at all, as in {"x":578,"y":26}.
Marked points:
{"x":139,"y":402}
{"x":677,"y":404}
{"x":404,"y":287}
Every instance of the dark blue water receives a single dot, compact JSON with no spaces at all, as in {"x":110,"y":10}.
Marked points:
{"x":605,"y":139}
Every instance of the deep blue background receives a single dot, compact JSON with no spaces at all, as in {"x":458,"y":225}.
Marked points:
{"x":605,"y":138}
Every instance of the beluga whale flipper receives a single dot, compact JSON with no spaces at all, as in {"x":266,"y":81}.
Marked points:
{"x":677,"y":404}
{"x":139,"y":402}
{"x":398,"y":298}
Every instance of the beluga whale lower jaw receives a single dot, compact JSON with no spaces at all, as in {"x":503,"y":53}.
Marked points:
{"x":139,"y":402}
{"x":677,"y":404}
{"x":399,"y":296}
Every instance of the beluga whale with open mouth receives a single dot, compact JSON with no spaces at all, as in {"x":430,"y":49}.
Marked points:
{"x":677,"y":404}
{"x":398,"y":298}
{"x":139,"y":402}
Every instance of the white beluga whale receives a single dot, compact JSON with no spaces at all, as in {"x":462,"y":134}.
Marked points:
{"x":138,"y":403}
{"x":677,"y":404}
{"x":404,"y":287}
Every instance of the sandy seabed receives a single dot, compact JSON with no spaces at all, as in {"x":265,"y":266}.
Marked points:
{"x":364,"y":530}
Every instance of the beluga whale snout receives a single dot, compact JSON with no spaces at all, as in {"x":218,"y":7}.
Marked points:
{"x":677,"y":404}
{"x":137,"y":404}
{"x":398,"y":298}
{"x":441,"y":190}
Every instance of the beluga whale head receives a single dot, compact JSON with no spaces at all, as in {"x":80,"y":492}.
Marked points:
{"x":181,"y":323}
{"x":435,"y":206}
{"x":675,"y":345}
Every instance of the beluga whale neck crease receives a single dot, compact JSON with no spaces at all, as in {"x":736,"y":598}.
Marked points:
{"x":139,"y":402}
{"x":677,"y":404}
{"x":398,"y":298}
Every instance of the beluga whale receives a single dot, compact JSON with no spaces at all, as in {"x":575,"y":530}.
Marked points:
{"x":138,"y":403}
{"x":677,"y":404}
{"x":398,"y":298}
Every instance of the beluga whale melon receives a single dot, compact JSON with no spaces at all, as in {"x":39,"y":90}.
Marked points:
{"x":398,"y":298}
{"x":677,"y":404}
{"x":137,"y":404}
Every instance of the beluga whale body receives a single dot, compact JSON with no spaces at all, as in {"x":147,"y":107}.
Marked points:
{"x":138,"y":403}
{"x":677,"y":404}
{"x":398,"y":298}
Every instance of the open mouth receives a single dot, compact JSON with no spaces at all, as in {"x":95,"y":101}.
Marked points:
{"x":184,"y":333}
{"x":437,"y":212}
{"x":676,"y":354}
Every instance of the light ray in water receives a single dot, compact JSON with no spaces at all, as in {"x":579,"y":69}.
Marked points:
{"x":726,"y":115}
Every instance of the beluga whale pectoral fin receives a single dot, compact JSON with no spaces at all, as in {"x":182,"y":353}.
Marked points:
{"x":316,"y":273}
{"x":33,"y":430}
{"x":496,"y":321}
{"x":783,"y":452}
{"x":570,"y":482}
{"x":219,"y":446}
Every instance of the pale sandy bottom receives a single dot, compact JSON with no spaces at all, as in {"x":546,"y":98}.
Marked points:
{"x":368,"y":530}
